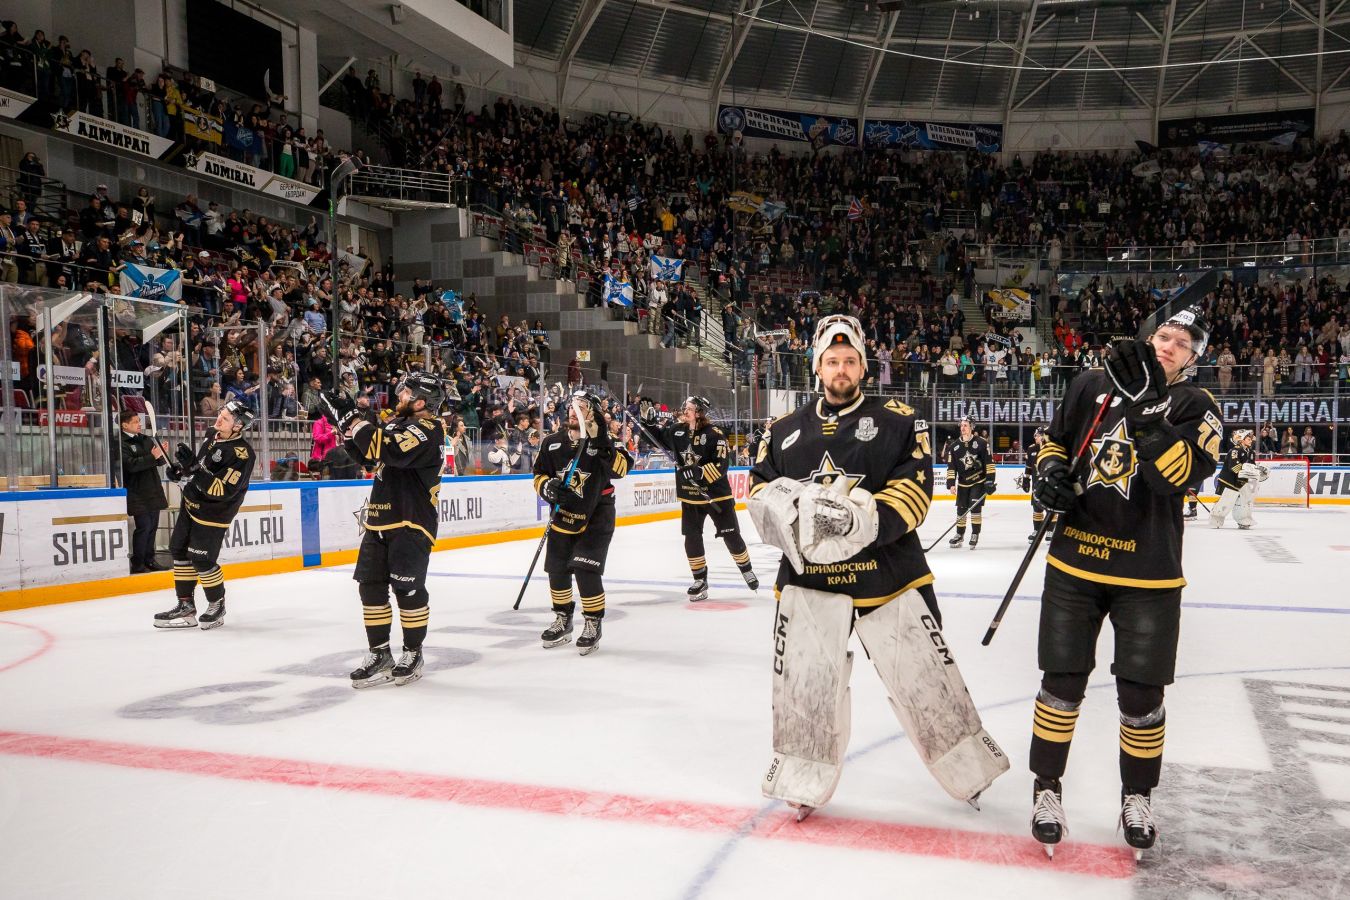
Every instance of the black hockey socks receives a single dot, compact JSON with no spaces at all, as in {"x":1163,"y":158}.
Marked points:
{"x":378,"y":614}
{"x":592,"y":590}
{"x":740,"y":554}
{"x":698,"y":562}
{"x":213,"y":583}
{"x":560,"y":590}
{"x":1053,"y":721}
{"x":184,"y":580}
{"x":414,"y":613}
{"x":1143,"y":724}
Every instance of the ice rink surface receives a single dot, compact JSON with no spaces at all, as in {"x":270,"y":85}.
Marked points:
{"x":239,"y":763}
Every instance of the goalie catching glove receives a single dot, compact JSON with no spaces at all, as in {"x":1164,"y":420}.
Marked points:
{"x":834,"y":523}
{"x":1253,"y":472}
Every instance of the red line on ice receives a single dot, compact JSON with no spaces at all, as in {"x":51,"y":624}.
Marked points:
{"x":821,"y":829}
{"x":47,"y":641}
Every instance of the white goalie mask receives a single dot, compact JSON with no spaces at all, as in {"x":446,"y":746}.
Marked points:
{"x":833,"y":330}
{"x":1240,"y":436}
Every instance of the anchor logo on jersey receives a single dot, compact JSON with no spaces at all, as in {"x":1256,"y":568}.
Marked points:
{"x":827,"y":472}
{"x":578,"y":483}
{"x":1113,"y":460}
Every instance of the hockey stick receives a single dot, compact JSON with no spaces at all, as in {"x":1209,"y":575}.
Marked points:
{"x":941,"y":536}
{"x":717,"y":507}
{"x":567,"y":480}
{"x":1193,"y":495}
{"x":1074,"y":465}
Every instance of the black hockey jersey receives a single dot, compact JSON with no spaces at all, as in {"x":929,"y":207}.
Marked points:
{"x":408,"y":454}
{"x":880,"y":446}
{"x":216,"y":489}
{"x":1033,"y":454}
{"x":590,"y":487}
{"x":1126,"y":527}
{"x":1234,"y":460}
{"x":969,"y":462}
{"x":706,"y":449}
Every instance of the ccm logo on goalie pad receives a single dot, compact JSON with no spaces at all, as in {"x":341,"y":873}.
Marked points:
{"x":935,"y":636}
{"x":779,"y":648}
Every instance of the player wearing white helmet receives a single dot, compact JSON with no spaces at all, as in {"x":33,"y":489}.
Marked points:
{"x":1238,"y":482}
{"x":841,"y":486}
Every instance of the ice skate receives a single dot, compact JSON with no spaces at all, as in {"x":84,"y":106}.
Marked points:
{"x":214,"y":616}
{"x":699,"y":589}
{"x":974,"y":539}
{"x":1136,"y":818}
{"x":409,"y":667}
{"x":751,"y":579}
{"x":376,"y":668}
{"x":1048,"y":822}
{"x":560,"y":632}
{"x":802,"y":811}
{"x":184,"y":615}
{"x":957,"y":541}
{"x":589,"y":641}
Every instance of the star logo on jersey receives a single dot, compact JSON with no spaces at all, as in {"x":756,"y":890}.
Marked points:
{"x":827,"y":472}
{"x":578,"y":485}
{"x":1113,"y":460}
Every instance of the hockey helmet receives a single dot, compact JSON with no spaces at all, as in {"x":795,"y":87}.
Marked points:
{"x":587,"y":400}
{"x":833,"y":330}
{"x":700,"y":404}
{"x":1042,"y":431}
{"x":1192,"y":319}
{"x":425,"y":386}
{"x":242,"y":414}
{"x":1241,"y":434}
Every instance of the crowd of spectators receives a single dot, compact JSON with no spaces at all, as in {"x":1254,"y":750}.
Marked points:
{"x":170,"y":103}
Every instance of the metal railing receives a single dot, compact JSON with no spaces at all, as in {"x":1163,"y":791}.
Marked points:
{"x":408,"y":187}
{"x":1292,"y":252}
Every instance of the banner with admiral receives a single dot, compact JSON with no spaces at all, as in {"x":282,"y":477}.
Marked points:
{"x":113,"y":134}
{"x":916,"y":135}
{"x":665,"y":268}
{"x":150,"y":283}
{"x":246,"y":176}
{"x":780,"y":125}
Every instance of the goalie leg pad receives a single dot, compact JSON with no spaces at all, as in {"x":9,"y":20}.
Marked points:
{"x":811,"y":715}
{"x":1218,"y":513}
{"x":929,"y":696}
{"x":1246,"y":499}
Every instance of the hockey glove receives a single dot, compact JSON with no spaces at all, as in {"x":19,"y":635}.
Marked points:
{"x":692,"y":475}
{"x":647,"y":412}
{"x":551,"y":490}
{"x":1024,"y":482}
{"x":951,"y":484}
{"x":773,"y":509}
{"x":1134,"y":369}
{"x":185,"y":457}
{"x":834,"y":523}
{"x":1055,"y":487}
{"x":989,"y":487}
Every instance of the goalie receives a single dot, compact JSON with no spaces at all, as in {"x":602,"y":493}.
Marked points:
{"x":1238,"y":482}
{"x":841,"y":487}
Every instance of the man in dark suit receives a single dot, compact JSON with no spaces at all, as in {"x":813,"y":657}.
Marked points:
{"x":141,"y":459}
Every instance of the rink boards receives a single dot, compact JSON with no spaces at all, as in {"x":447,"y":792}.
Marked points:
{"x":62,"y":545}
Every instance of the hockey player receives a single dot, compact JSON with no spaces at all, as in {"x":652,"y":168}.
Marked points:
{"x":1238,"y":480}
{"x":841,"y":487}
{"x":1117,"y":551}
{"x":970,"y":473}
{"x":402,"y":515}
{"x":700,"y":449}
{"x":217,"y":480}
{"x":583,"y":523}
{"x":1027,"y":481}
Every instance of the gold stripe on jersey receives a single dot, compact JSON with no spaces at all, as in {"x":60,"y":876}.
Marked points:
{"x":709,"y":500}
{"x":827,"y":429}
{"x":1175,"y":463}
{"x":907,"y":499}
{"x":1049,"y":449}
{"x":868,"y":602}
{"x":208,"y":523}
{"x":406,"y":524}
{"x":711,"y":472}
{"x":539,"y":483}
{"x":989,"y":469}
{"x":1112,"y":579}
{"x":756,"y":488}
{"x":619,"y":465}
{"x":1054,"y":725}
{"x":376,"y":443}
